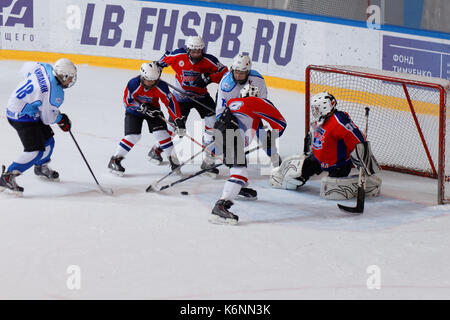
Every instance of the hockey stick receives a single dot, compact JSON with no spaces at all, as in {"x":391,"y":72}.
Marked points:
{"x":195,"y":100}
{"x":198,"y":173}
{"x":361,"y":196}
{"x":192,"y":139}
{"x":154,"y":184}
{"x":189,"y":96}
{"x":102,"y":189}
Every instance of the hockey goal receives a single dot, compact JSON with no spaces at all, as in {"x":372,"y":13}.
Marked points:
{"x":408,"y":116}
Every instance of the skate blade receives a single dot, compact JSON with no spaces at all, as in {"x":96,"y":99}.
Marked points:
{"x":117,"y":173}
{"x":242,"y":198}
{"x":44,"y":178}
{"x":154,"y":161}
{"x":222,"y":221}
{"x":211,"y":174}
{"x":7,"y":191}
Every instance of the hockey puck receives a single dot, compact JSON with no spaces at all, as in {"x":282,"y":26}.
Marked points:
{"x":184,"y":193}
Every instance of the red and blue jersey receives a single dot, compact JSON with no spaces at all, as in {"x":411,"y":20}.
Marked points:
{"x":135,"y":94}
{"x":335,"y":139}
{"x":250,"y":111}
{"x":187,"y":72}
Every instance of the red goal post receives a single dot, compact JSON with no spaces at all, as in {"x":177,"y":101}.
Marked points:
{"x":408,"y":116}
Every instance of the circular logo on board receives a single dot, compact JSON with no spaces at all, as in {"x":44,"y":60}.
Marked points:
{"x":181,"y":63}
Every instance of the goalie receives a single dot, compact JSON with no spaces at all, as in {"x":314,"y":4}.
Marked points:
{"x":337,"y":144}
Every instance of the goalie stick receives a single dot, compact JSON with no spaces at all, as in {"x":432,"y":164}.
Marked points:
{"x":361,"y":196}
{"x":101,"y":188}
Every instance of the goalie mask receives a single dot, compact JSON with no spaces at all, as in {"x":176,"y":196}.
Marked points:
{"x":240,"y":69}
{"x":195,"y":46}
{"x":150,"y":74}
{"x":66,"y":72}
{"x":249,"y":91}
{"x":322,"y":104}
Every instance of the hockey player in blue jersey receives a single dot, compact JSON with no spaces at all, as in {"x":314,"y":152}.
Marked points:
{"x":141,"y":99}
{"x":232,"y":83}
{"x":32,"y":108}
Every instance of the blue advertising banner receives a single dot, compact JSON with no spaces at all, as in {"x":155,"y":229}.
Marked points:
{"x":417,"y":57}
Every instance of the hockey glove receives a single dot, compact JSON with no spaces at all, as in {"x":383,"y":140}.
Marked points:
{"x":149,"y":110}
{"x":225,"y":121}
{"x":65,"y":124}
{"x":154,"y":113}
{"x":202,"y":80}
{"x":180,"y":127}
{"x":143,"y":108}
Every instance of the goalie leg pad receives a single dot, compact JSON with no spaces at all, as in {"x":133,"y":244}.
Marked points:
{"x":347,"y":187}
{"x":363,"y":156}
{"x":288,"y":174}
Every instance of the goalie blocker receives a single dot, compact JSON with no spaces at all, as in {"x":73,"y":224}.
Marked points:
{"x":338,"y":185}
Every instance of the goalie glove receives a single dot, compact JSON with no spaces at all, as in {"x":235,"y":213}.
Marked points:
{"x":363,"y":157}
{"x":289,"y":174}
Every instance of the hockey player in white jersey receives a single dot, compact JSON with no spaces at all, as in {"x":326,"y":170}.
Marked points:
{"x":32,"y":108}
{"x":241,"y":73}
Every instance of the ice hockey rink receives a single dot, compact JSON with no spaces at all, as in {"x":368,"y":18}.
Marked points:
{"x":138,"y":245}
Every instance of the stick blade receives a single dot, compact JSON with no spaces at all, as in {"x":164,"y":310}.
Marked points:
{"x":107,"y":191}
{"x":359,"y":209}
{"x":153,"y":187}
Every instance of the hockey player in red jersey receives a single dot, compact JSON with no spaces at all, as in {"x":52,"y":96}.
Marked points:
{"x":334,"y":139}
{"x":243,"y":116}
{"x":194,"y":70}
{"x":141,"y":100}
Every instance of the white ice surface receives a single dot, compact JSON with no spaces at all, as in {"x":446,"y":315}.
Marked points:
{"x":138,"y":245}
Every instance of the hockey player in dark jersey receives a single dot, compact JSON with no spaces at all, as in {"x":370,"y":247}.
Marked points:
{"x":194,"y":70}
{"x":334,"y":139}
{"x":141,"y":100}
{"x":243,"y":116}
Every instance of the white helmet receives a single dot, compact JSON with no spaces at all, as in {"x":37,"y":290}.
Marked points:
{"x":150,"y":71}
{"x":242,"y":63}
{"x":65,"y":69}
{"x":249,"y":91}
{"x":195,"y":43}
{"x":321,"y":105}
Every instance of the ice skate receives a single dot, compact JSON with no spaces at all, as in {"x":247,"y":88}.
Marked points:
{"x":46,"y":172}
{"x":209,"y":163}
{"x":154,"y":155}
{"x":174,"y":163}
{"x":247,"y":194}
{"x":8,"y":181}
{"x":221,"y":215}
{"x":116,"y":167}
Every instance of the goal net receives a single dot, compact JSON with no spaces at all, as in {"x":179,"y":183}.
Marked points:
{"x":408,"y":118}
